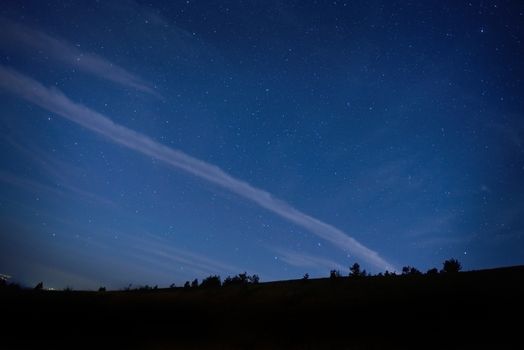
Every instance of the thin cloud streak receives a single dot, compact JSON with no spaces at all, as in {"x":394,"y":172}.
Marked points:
{"x":56,"y":102}
{"x":152,"y":245}
{"x":59,"y":191}
{"x":20,"y":35}
{"x":307,"y":261}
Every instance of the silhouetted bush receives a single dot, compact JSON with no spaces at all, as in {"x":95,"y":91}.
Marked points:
{"x":334,"y":274}
{"x":241,"y":279}
{"x":194,"y":284}
{"x":39,"y":286}
{"x":432,"y":272}
{"x":6,"y":286}
{"x":102,"y":289}
{"x":410,"y":270}
{"x":187,"y":285}
{"x":354,"y":271}
{"x":211,"y":282}
{"x":451,"y":266}
{"x":306,"y":276}
{"x":68,"y":289}
{"x":172,"y":286}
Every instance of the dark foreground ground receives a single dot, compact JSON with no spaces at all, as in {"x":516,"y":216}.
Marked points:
{"x":469,"y":310}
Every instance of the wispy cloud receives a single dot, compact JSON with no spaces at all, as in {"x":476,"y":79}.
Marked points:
{"x":63,"y":190}
{"x":56,"y":102}
{"x":23,"y":37}
{"x":297,"y":259}
{"x":112,"y":252}
{"x":161,"y":249}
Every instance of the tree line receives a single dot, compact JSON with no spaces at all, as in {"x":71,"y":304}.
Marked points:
{"x":243,"y":279}
{"x":448,"y":266}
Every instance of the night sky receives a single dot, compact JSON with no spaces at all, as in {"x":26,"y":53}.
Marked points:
{"x":158,"y":142}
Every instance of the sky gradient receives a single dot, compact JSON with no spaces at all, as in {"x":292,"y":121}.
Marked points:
{"x":152,"y":143}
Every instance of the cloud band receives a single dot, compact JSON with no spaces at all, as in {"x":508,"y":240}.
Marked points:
{"x":56,"y":102}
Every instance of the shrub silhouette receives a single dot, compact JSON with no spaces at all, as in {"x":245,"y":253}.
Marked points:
{"x":354,"y":271}
{"x":194,"y":284}
{"x":432,"y":272}
{"x":187,"y":285}
{"x":102,"y":289}
{"x":172,"y":286}
{"x":410,"y":270}
{"x":306,"y":276}
{"x":334,"y":274}
{"x":211,"y":282}
{"x":241,"y":279}
{"x":5,"y":285}
{"x":451,"y":266}
{"x":39,"y":286}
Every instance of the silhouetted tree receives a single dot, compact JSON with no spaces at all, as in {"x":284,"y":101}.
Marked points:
{"x":235,"y":280}
{"x":432,"y":272}
{"x":172,"y":286}
{"x":211,"y":282}
{"x":451,"y":266}
{"x":39,"y":286}
{"x":5,"y":285}
{"x":241,"y":279}
{"x":187,"y":285}
{"x":410,"y":270}
{"x":102,"y":289}
{"x":194,"y":284}
{"x":354,"y":271}
{"x":334,"y":274}
{"x":306,"y":276}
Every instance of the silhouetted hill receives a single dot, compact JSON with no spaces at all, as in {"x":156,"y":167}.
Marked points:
{"x":464,"y":310}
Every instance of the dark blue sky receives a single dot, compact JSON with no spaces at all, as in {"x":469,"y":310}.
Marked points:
{"x":162,"y":141}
